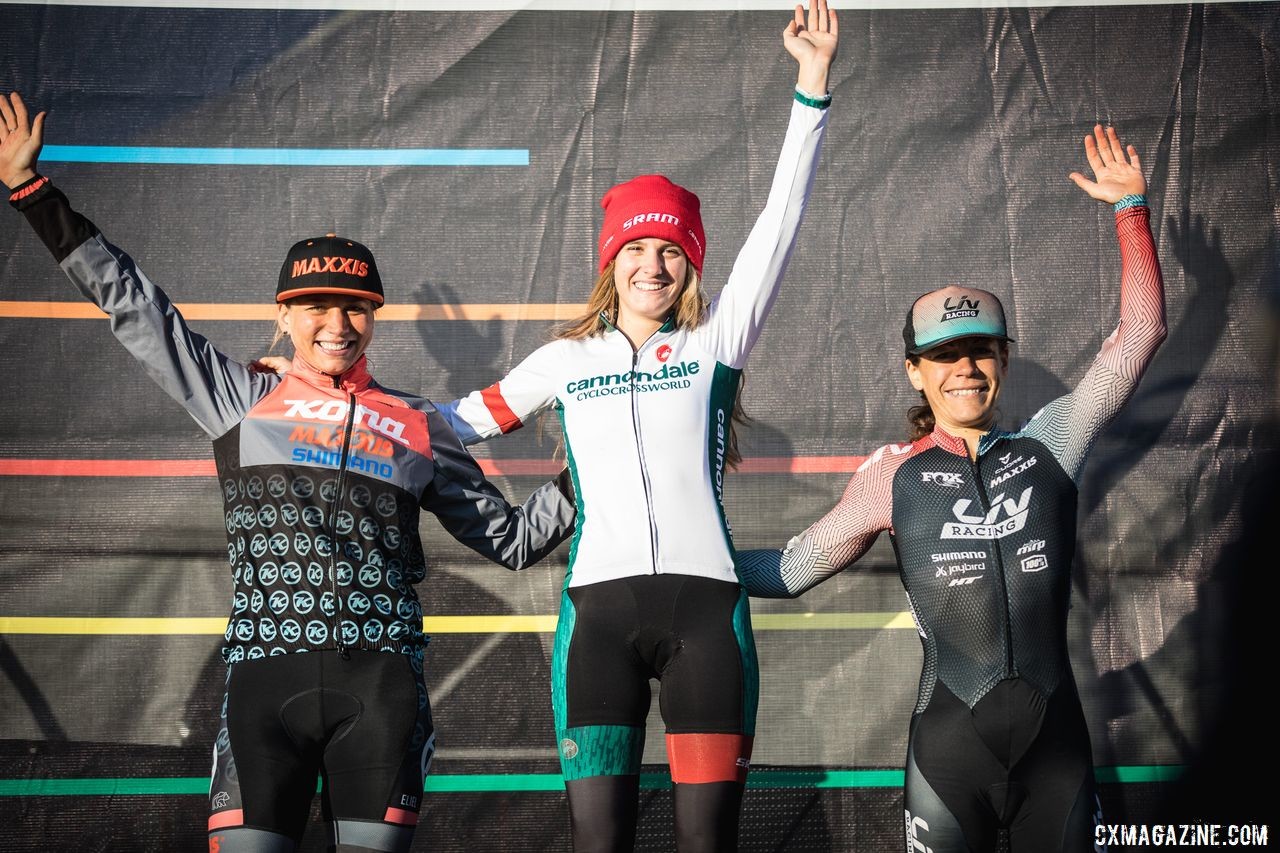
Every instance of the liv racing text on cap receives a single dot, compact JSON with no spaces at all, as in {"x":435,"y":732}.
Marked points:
{"x":953,"y":312}
{"x":329,"y":264}
{"x":651,"y":206}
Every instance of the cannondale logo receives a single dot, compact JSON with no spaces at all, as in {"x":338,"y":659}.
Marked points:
{"x":568,"y":749}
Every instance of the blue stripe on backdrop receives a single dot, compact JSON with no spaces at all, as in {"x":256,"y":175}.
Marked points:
{"x":286,"y":156}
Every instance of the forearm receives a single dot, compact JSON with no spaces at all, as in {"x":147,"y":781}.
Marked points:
{"x":215,"y":390}
{"x":739,"y":313}
{"x":784,"y":574}
{"x":1142,"y":325}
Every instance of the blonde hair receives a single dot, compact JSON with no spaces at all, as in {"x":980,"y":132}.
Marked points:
{"x":690,"y":312}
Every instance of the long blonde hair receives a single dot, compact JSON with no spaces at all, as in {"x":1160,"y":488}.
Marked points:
{"x":690,"y":313}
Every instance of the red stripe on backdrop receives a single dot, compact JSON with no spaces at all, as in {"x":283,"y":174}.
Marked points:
{"x":491,"y":467}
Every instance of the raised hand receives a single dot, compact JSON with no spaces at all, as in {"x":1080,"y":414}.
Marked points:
{"x":813,"y":44}
{"x":20,"y":141}
{"x":1115,"y":175}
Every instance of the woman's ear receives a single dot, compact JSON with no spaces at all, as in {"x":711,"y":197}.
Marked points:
{"x":282,"y":318}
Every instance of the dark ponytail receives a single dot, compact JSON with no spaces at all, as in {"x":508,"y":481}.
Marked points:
{"x":920,"y":417}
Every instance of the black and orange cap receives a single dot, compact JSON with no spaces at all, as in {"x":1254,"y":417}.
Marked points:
{"x":329,"y":264}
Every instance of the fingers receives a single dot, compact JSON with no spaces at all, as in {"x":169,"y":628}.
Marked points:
{"x":1091,"y":154}
{"x":798,"y":24}
{"x":1133,"y":158}
{"x":37,"y":128}
{"x":1102,"y":144}
{"x":20,"y":110}
{"x":6,"y":112}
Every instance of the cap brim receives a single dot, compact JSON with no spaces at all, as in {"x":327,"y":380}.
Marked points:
{"x":342,"y":291}
{"x":921,"y":350}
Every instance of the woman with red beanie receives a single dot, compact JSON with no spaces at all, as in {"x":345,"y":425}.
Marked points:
{"x":645,"y":384}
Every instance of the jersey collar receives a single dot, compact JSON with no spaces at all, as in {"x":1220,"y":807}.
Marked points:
{"x":356,"y":379}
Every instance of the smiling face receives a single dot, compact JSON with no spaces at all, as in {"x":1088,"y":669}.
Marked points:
{"x":329,"y":331}
{"x":961,"y":381}
{"x":649,"y":275}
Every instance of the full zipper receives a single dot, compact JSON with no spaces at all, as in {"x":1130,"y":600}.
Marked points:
{"x":333,"y":519}
{"x":644,"y":469}
{"x":1009,"y":669}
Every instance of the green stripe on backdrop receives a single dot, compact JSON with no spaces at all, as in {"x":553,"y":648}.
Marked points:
{"x":518,"y":782}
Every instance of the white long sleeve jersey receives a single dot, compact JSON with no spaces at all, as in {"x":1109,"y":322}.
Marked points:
{"x":646,"y":430}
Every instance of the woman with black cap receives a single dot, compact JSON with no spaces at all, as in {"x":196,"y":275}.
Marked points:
{"x":983,"y":523}
{"x":323,"y":474}
{"x":645,"y":384}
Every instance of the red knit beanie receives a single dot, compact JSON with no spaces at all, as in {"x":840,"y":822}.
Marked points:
{"x":651,"y":206}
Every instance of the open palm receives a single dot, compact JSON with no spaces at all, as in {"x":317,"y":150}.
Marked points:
{"x":1117,"y":171}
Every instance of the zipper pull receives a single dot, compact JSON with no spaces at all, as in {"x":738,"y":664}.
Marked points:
{"x":343,"y":651}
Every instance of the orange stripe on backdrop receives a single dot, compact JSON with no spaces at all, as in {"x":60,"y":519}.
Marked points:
{"x":234,"y":311}
{"x":490,"y":467}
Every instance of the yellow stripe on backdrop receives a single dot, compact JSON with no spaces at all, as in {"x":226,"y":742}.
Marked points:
{"x":498,"y":624}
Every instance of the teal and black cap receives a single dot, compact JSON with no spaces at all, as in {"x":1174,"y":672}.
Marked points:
{"x":329,"y":264}
{"x":953,"y":312}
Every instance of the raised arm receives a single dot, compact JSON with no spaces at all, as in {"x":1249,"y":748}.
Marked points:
{"x":477,"y":515}
{"x":1070,"y":424}
{"x":214,"y":389}
{"x":834,"y":542}
{"x":738,"y":314}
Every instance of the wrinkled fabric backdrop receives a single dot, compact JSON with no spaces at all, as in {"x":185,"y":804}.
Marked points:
{"x":951,"y":135}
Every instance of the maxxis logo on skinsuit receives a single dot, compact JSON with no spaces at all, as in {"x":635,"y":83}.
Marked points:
{"x":666,"y":378}
{"x":989,"y":525}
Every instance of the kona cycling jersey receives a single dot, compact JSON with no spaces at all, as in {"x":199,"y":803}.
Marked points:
{"x":647,"y":428}
{"x":322,"y":477}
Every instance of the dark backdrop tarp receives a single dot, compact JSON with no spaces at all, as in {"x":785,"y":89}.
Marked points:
{"x":952,"y":132}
